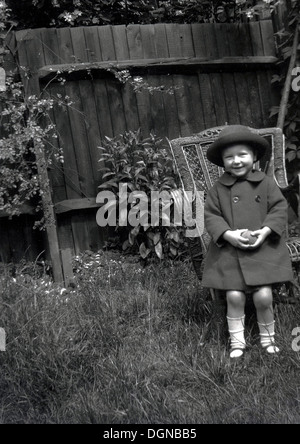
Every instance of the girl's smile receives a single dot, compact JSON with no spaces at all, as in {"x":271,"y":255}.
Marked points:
{"x":238,"y":160}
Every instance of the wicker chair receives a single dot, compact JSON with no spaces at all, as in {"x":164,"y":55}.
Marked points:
{"x":196,"y":173}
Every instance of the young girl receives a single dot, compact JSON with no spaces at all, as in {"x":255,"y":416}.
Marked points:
{"x":245,"y":199}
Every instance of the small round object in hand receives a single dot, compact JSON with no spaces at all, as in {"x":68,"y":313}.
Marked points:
{"x":252,"y":239}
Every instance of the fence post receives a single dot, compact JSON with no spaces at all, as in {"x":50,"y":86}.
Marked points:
{"x":49,"y":215}
{"x":31,"y":86}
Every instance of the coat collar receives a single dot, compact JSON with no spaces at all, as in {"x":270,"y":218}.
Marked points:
{"x":253,"y":176}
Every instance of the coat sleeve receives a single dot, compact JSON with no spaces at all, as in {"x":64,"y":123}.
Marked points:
{"x":276,"y":217}
{"x":214,"y":221}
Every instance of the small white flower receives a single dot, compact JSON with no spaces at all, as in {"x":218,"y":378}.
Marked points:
{"x":138,"y":79}
{"x":68,"y":17}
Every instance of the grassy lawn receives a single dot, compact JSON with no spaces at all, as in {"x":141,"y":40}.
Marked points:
{"x":126,"y":346}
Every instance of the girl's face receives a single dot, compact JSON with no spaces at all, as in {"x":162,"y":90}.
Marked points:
{"x":238,"y":160}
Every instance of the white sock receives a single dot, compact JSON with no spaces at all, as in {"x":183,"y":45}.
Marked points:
{"x":236,"y":328}
{"x":267,"y":337}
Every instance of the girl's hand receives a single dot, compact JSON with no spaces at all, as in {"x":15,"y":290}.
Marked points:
{"x":261,"y":235}
{"x":235,"y":238}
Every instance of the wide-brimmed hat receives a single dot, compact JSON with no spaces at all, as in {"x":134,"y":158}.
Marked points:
{"x":231,"y":135}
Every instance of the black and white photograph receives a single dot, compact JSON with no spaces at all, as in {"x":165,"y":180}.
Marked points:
{"x":149,"y":214}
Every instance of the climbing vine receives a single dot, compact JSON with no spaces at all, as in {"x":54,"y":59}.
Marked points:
{"x":288,"y":49}
{"x":26,"y":127}
{"x":287,"y":114}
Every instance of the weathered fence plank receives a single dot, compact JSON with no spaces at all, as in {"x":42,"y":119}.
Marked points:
{"x":206,"y":96}
{"x":134,"y":40}
{"x":217,"y":87}
{"x":229,"y":90}
{"x":129,"y":100}
{"x":169,"y":99}
{"x":148,"y":39}
{"x":106,"y":41}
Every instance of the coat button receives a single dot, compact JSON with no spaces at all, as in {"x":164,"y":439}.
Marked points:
{"x":235,"y":199}
{"x":257,"y":198}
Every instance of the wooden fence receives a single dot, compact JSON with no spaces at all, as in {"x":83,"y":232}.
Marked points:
{"x":219,"y":73}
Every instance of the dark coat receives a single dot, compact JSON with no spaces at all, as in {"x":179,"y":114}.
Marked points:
{"x":246,"y":204}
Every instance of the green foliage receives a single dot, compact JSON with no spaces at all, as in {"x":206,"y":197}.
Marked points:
{"x":25,"y":128}
{"x":292,"y":119}
{"x":144,"y":165}
{"x":138,"y":84}
{"x":45,"y":13}
{"x":291,"y":128}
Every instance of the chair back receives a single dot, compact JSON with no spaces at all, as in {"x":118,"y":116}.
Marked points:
{"x":197,"y":174}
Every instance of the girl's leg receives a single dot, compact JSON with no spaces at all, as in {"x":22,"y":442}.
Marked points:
{"x":236,"y":322}
{"x":263,"y":301}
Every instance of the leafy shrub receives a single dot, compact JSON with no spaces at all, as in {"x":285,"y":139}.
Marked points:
{"x":145,"y":166}
{"x":40,"y":13}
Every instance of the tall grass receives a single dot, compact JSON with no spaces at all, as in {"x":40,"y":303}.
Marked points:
{"x":127,"y":346}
